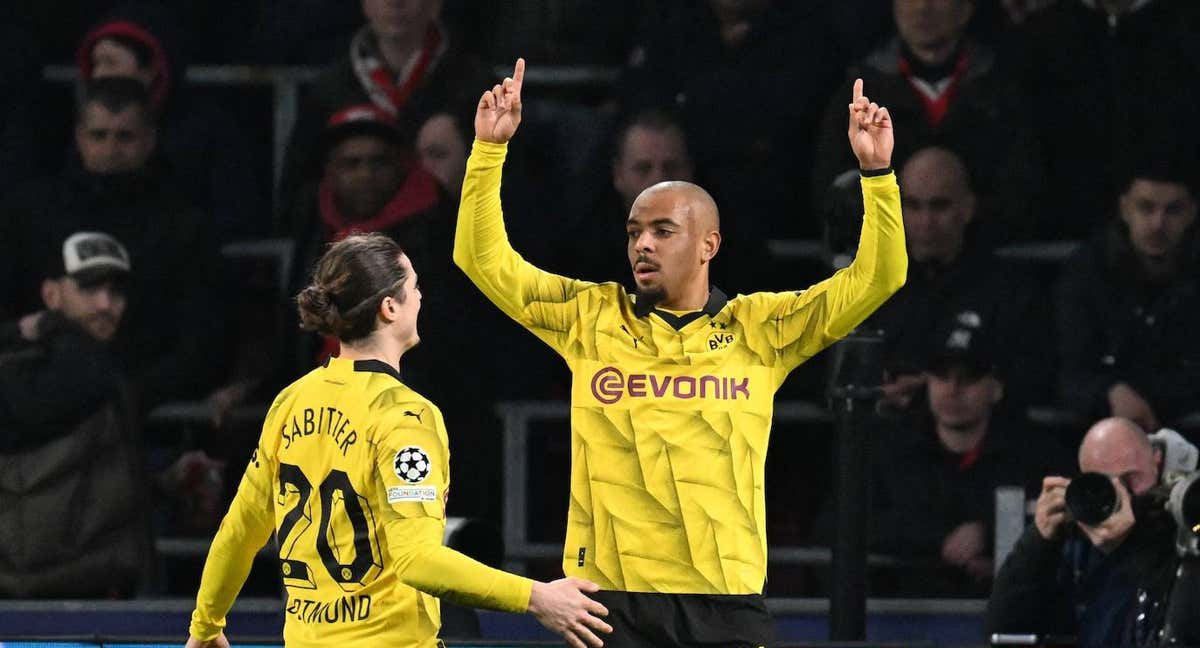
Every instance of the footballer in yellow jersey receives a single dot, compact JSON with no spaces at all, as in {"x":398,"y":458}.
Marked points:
{"x":351,"y":474}
{"x":673,"y":388}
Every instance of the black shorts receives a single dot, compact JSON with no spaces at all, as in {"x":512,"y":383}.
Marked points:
{"x":642,"y":620}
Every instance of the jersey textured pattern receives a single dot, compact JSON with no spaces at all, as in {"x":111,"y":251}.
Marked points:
{"x":351,"y":474}
{"x":669,"y":426}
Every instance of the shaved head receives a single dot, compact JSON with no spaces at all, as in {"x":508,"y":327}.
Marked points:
{"x":1118,"y":447}
{"x":699,"y":203}
{"x":936,"y":164}
{"x":938,"y":204}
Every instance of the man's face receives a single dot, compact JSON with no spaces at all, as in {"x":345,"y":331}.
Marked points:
{"x":112,"y":59}
{"x":1158,"y":215}
{"x":924,"y":24}
{"x":408,"y":310}
{"x":365,"y":174}
{"x":648,"y":157}
{"x":960,"y":399}
{"x":665,"y":245}
{"x":111,"y":142}
{"x":937,"y":207}
{"x":391,"y":19}
{"x":443,"y":151}
{"x":97,"y":308}
{"x":1133,"y":463}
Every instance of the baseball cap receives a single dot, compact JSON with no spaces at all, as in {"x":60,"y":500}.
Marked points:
{"x":963,"y":343}
{"x":361,"y":119}
{"x":93,"y":257}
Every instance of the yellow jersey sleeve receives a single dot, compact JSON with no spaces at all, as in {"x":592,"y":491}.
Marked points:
{"x":536,"y":299}
{"x":802,"y":323}
{"x":244,"y":530}
{"x":413,"y":465}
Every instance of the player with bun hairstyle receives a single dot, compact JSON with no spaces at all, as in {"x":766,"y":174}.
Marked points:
{"x":351,"y":474}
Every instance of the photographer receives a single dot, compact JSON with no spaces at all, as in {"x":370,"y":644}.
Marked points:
{"x":1106,"y":583}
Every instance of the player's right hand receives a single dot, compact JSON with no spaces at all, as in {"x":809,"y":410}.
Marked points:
{"x":1051,"y":514}
{"x":499,"y":111}
{"x":219,"y":642}
{"x":562,"y":607}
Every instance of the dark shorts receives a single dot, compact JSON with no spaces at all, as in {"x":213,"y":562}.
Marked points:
{"x":643,"y":620}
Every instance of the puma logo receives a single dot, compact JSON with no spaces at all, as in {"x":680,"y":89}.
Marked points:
{"x":416,"y":416}
{"x":636,"y":338}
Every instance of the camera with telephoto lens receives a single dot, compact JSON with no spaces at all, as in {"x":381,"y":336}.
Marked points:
{"x":1092,"y":499}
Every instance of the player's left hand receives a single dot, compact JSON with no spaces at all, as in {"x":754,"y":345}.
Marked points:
{"x":219,"y":642}
{"x":870,"y":131}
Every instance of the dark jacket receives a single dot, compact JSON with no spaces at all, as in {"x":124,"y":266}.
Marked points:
{"x":174,"y":321}
{"x":201,"y":141}
{"x":1006,"y":298}
{"x":987,"y":123}
{"x":1114,"y":326}
{"x":1067,"y":587}
{"x":72,"y":514}
{"x":921,"y":491}
{"x":1070,"y":56}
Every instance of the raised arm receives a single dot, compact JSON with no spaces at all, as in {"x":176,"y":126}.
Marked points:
{"x":808,"y":321}
{"x":538,"y":300}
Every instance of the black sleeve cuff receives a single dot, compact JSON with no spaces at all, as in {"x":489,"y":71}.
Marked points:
{"x":874,"y":173}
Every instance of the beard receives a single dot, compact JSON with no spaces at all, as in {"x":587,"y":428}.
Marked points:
{"x":652,"y":296}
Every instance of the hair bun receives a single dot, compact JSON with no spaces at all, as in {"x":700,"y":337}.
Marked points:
{"x":317,"y":311}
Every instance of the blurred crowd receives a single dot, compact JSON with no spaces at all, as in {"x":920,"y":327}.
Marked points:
{"x":1047,"y":152}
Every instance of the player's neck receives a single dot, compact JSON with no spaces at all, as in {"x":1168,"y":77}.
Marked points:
{"x":376,"y":347}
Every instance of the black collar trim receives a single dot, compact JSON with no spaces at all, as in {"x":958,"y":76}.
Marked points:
{"x":377,"y":366}
{"x":716,"y":301}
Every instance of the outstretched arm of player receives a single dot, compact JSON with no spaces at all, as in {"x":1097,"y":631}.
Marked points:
{"x":832,"y":308}
{"x":538,"y":300}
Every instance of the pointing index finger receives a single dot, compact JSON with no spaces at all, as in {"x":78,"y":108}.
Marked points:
{"x":858,"y":89}
{"x":519,"y":72}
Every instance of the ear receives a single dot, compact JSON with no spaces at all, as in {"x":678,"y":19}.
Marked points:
{"x":1125,"y":208}
{"x":388,"y":310}
{"x":709,"y":246}
{"x":52,"y":294}
{"x":997,"y":390}
{"x":969,"y":205}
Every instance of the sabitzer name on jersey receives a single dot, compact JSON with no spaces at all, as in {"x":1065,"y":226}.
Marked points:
{"x":348,"y":609}
{"x":609,"y":385}
{"x":325,"y":421}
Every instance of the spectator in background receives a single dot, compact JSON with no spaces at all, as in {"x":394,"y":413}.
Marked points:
{"x":949,"y":90}
{"x":934,"y":474}
{"x":1121,"y":59}
{"x":402,"y":61}
{"x":1105,"y":584}
{"x":174,"y":319}
{"x":749,"y":79}
{"x":442,"y":143}
{"x":199,"y":140}
{"x":650,"y":148}
{"x":1129,"y":304}
{"x":950,"y":272}
{"x":74,"y":522}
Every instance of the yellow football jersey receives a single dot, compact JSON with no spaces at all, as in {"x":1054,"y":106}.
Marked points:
{"x":351,"y":474}
{"x":670,"y":414}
